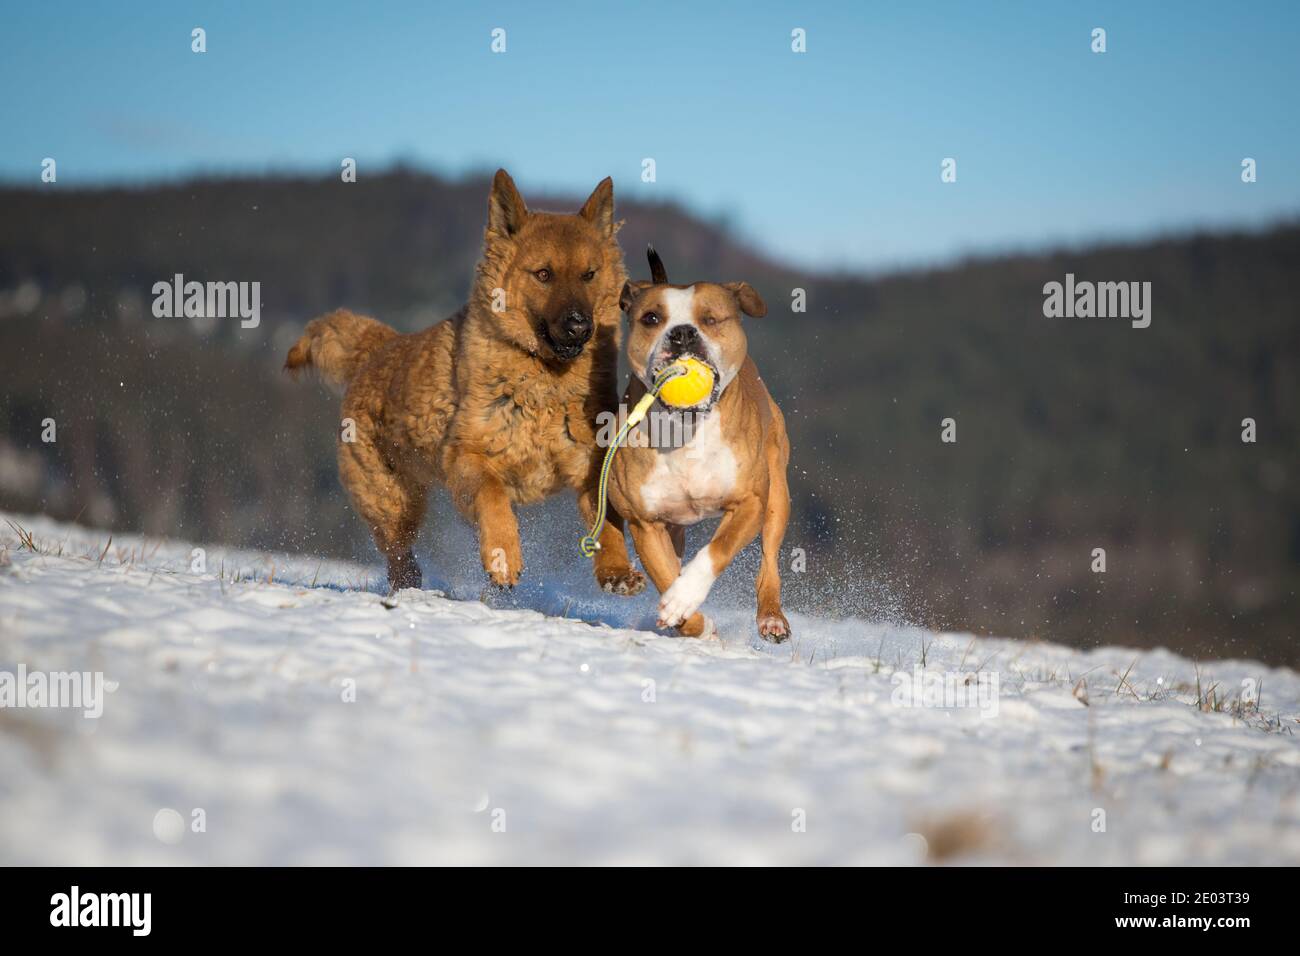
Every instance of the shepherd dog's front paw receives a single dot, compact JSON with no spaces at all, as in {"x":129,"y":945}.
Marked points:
{"x":503,"y":565}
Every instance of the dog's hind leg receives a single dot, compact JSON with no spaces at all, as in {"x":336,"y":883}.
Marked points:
{"x":772,"y":625}
{"x":391,"y":504}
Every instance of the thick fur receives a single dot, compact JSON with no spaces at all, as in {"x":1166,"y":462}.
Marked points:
{"x":486,"y":402}
{"x":336,"y":345}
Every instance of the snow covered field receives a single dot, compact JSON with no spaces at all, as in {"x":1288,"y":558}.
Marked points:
{"x":310,"y":722}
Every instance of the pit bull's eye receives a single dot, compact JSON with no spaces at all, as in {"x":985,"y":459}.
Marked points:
{"x":543,"y":275}
{"x":708,"y":320}
{"x":589,"y":275}
{"x":649,"y":319}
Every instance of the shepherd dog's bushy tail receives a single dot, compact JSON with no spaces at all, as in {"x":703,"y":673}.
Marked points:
{"x":337,"y":345}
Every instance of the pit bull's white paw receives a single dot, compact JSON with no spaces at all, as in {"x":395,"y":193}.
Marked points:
{"x":688,"y":592}
{"x":677,"y":605}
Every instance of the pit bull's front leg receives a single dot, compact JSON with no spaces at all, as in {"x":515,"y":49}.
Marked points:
{"x":613,"y":569}
{"x":739,"y":526}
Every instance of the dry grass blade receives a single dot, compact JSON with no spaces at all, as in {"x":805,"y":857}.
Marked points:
{"x":24,"y":536}
{"x":1123,"y":682}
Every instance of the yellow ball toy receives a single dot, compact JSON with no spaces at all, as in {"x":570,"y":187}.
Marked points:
{"x":689,"y":389}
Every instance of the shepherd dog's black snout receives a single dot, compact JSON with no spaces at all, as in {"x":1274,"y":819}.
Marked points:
{"x":576,"y":327}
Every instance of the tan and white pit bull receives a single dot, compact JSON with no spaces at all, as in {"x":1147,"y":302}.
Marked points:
{"x":725,"y":456}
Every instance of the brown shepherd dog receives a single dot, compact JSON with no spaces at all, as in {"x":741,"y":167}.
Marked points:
{"x":498,"y":402}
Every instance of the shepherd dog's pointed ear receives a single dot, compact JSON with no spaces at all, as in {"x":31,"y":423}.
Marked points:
{"x":751,"y":303}
{"x":630,"y":291}
{"x":599,"y":207}
{"x":506,"y":209}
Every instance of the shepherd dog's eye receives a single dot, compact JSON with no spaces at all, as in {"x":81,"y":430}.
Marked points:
{"x":543,"y":275}
{"x":589,"y":275}
{"x":649,"y":319}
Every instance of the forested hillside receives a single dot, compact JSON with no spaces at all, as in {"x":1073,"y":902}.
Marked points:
{"x":1071,"y":434}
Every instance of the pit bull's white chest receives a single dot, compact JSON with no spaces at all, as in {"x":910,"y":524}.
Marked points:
{"x":693,"y":482}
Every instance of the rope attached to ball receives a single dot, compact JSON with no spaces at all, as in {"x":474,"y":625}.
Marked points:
{"x":692,"y":381}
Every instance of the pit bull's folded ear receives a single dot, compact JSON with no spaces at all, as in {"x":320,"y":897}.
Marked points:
{"x":599,"y":207}
{"x":751,"y":303}
{"x":630,"y":291}
{"x":506,"y":209}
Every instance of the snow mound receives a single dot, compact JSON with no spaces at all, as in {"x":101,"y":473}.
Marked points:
{"x":271,"y":709}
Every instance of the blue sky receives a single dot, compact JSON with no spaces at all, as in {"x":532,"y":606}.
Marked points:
{"x":828,"y":158}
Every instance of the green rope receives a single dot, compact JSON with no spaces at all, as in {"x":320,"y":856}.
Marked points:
{"x":590,"y":544}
